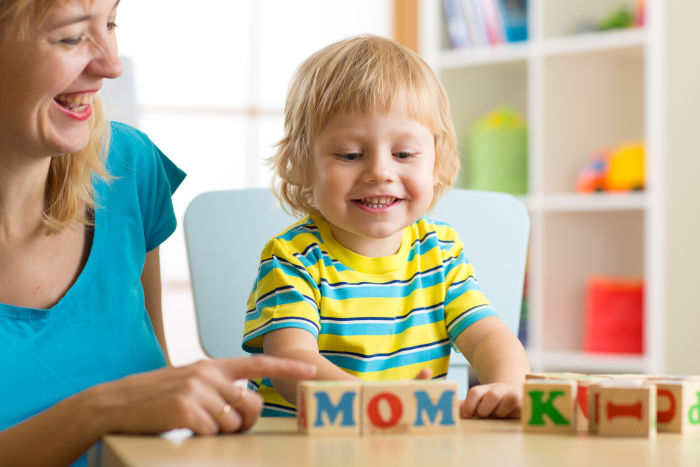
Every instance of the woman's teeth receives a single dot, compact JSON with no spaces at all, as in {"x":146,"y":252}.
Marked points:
{"x":376,"y":203}
{"x":75,"y":102}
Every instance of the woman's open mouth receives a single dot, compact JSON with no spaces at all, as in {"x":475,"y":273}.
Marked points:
{"x":76,"y":105}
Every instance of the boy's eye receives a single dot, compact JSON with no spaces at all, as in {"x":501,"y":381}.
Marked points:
{"x":350,"y":156}
{"x":403,"y":155}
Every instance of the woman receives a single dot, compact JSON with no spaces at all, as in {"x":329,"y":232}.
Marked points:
{"x":80,"y":314}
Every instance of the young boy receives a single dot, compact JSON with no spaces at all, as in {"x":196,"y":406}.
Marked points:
{"x":366,"y":286}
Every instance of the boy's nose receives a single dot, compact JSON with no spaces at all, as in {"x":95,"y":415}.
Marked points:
{"x":379,"y":169}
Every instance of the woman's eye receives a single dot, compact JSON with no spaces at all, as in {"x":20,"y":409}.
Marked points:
{"x":73,"y":40}
{"x":403,"y":155}
{"x":112,"y":25}
{"x":350,"y":156}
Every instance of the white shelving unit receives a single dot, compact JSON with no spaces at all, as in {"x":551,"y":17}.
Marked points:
{"x":579,"y":92}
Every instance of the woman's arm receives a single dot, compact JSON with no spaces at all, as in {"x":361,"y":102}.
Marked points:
{"x":152,"y":291}
{"x":201,"y":397}
{"x":300,"y":345}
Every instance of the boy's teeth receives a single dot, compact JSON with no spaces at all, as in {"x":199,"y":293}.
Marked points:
{"x":378,"y":202}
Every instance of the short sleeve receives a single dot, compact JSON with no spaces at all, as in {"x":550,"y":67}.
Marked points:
{"x":284,"y":295}
{"x":156,"y":177}
{"x":465,"y":304}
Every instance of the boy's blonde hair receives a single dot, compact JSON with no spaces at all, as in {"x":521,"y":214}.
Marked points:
{"x":69,"y":185}
{"x":358,"y":75}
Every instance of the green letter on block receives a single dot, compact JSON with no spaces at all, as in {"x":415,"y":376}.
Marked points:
{"x":540,"y":408}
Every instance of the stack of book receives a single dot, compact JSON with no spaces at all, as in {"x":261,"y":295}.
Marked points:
{"x":475,"y":23}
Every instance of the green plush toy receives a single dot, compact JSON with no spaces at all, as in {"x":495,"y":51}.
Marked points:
{"x":496,"y":157}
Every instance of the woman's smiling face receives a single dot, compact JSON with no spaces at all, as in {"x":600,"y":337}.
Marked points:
{"x":49,"y":76}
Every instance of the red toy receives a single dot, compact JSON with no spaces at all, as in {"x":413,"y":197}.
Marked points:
{"x":614,"y":316}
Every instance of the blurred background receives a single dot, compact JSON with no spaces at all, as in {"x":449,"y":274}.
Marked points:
{"x":584,"y":109}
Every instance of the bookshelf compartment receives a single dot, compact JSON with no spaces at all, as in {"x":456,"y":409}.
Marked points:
{"x":581,"y":245}
{"x":565,"y":18}
{"x":476,"y":91}
{"x":591,"y":100}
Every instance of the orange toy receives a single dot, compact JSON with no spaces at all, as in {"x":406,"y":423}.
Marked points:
{"x":620,"y":169}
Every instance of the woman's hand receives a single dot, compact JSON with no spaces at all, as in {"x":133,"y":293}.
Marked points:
{"x":498,"y":400}
{"x":201,"y":396}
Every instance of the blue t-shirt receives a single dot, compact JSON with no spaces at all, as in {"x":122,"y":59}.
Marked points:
{"x":100,"y":330}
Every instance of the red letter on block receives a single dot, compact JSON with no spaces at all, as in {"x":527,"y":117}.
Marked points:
{"x":634,"y":410}
{"x":394,"y":404}
{"x":667,"y":415}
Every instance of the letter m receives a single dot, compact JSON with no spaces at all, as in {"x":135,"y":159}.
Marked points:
{"x":344,"y":407}
{"x":443,"y":405}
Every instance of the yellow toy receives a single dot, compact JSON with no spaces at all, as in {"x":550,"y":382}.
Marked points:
{"x":620,"y":169}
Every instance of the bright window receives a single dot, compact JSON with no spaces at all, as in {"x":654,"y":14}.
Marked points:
{"x":208,"y":80}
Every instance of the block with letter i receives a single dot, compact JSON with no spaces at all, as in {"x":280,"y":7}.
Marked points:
{"x":678,"y":406}
{"x":386,"y":407}
{"x":329,"y":407}
{"x":433,"y":406}
{"x":549,"y":406}
{"x":627,"y":410}
{"x":594,"y":398}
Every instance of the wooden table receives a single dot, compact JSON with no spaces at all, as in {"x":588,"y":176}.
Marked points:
{"x":275,"y":442}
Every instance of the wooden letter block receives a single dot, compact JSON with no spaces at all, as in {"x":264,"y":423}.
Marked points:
{"x":594,"y":397}
{"x":549,"y":406}
{"x":329,"y":407}
{"x":678,"y":406}
{"x":433,"y":406}
{"x":386,"y":407}
{"x":627,"y":410}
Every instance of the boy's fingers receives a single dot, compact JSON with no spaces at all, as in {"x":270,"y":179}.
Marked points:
{"x":470,"y":403}
{"x":425,"y":373}
{"x":259,"y":366}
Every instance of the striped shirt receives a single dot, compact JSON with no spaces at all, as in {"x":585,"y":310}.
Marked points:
{"x":377,"y":318}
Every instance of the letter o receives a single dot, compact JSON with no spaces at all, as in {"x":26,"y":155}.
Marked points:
{"x":394,"y":404}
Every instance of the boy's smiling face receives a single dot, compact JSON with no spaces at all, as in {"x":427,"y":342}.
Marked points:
{"x":371,"y":176}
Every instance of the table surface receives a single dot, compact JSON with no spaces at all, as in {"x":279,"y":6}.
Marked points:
{"x":275,"y":442}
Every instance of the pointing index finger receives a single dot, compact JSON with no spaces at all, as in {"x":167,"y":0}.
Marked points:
{"x":274,"y":367}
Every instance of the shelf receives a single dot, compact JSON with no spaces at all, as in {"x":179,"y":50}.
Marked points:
{"x":595,"y":42}
{"x":485,"y":55}
{"x":591,"y":202}
{"x":522,"y":51}
{"x":582,"y":362}
{"x":581,"y":93}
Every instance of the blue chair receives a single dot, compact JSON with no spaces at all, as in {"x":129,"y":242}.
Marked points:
{"x":225,"y":232}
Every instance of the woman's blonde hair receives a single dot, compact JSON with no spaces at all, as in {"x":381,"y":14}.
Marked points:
{"x":69,"y":189}
{"x":358,"y":75}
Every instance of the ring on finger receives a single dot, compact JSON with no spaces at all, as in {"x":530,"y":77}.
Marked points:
{"x":224,"y":410}
{"x":242,"y":391}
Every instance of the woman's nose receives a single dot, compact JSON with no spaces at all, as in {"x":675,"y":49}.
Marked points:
{"x":106,"y":62}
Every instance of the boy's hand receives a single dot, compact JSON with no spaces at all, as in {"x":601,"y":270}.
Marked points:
{"x":425,"y":373}
{"x":495,"y":400}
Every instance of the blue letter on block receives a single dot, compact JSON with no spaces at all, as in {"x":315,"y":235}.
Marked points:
{"x":443,"y":405}
{"x":324,"y":404}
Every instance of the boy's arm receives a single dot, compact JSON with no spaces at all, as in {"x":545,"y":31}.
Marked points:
{"x":500,"y":363}
{"x":300,"y":344}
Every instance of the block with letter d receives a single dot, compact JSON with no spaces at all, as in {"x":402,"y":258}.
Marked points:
{"x":549,"y":406}
{"x":678,"y":405}
{"x":329,"y":407}
{"x":433,"y":406}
